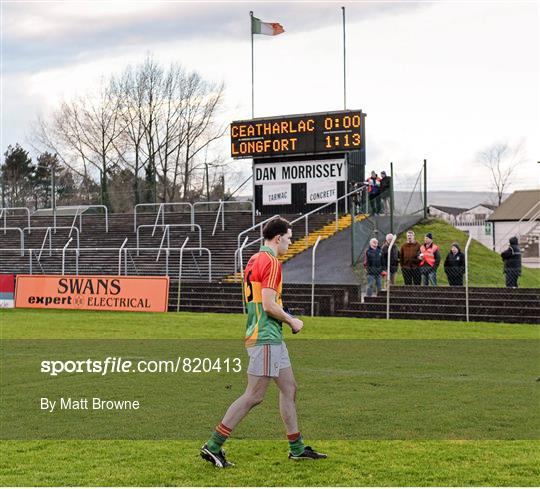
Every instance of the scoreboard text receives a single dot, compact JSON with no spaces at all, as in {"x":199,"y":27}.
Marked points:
{"x":333,"y":132}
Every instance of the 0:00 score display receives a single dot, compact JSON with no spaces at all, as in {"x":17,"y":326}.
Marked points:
{"x":343,"y":122}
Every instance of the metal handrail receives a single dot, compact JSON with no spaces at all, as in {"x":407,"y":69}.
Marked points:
{"x":180,"y":260}
{"x":255,"y":226}
{"x":167,"y":234}
{"x":127,"y":250}
{"x":30,"y":264}
{"x":48,"y":231}
{"x":79,"y":211}
{"x":75,"y":218}
{"x":192,"y":226}
{"x":221,"y":211}
{"x":388,"y":281}
{"x":240,"y":251}
{"x":260,"y":224}
{"x":21,"y":232}
{"x":333,"y":202}
{"x":120,"y":256}
{"x":313,"y":274}
{"x":4,"y":213}
{"x":64,"y":255}
{"x":223,"y":202}
{"x":469,"y":240}
{"x":161,"y":211}
{"x":305,"y":216}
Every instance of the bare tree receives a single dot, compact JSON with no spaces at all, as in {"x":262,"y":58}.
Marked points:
{"x":149,"y":119}
{"x":85,"y":132}
{"x":201,"y":129}
{"x":502,"y":159}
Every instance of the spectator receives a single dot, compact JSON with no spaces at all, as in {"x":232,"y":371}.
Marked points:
{"x":394,"y":260}
{"x":374,"y":191}
{"x":512,"y":263}
{"x":373,"y":266}
{"x":430,"y":257}
{"x":408,"y":259}
{"x":454,"y":266}
{"x":385,"y":192}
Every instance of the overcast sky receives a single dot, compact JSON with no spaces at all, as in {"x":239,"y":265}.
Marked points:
{"x":438,"y":80}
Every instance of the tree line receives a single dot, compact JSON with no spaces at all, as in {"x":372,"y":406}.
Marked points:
{"x":144,"y":136}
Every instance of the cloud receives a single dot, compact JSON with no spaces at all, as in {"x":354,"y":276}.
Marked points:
{"x":42,"y":35}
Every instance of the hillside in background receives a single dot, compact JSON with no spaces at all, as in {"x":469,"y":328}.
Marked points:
{"x":445,"y":198}
{"x":486,"y":266}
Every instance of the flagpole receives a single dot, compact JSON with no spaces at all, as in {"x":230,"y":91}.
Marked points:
{"x":252,"y":71}
{"x":344,"y":65}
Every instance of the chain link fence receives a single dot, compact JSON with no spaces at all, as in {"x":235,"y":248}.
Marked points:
{"x":454,"y":278}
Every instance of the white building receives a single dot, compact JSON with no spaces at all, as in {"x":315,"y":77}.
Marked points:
{"x":449,"y":214}
{"x":479,"y":212}
{"x":518,"y":215}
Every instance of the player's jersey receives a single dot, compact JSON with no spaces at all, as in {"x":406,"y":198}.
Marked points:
{"x":262,"y":271}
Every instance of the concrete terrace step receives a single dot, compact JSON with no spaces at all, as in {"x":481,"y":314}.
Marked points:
{"x":500,"y":318}
{"x":523,"y":310}
{"x":473,"y":300}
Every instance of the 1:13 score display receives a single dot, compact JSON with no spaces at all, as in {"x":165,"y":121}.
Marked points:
{"x":342,"y":131}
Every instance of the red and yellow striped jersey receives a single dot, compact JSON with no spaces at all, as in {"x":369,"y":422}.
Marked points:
{"x":262,"y":271}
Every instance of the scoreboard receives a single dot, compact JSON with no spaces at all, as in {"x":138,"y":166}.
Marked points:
{"x":294,"y":135}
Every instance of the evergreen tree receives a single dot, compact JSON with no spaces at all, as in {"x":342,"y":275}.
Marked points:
{"x":41,"y":181}
{"x":17,"y":174}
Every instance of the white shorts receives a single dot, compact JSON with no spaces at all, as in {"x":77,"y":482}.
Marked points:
{"x":268,"y":360}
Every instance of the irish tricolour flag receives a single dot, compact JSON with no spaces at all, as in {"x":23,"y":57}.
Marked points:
{"x":265,"y":28}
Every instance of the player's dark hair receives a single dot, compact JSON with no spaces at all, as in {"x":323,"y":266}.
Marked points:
{"x":275,"y":227}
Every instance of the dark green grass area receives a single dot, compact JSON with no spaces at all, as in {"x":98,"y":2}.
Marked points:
{"x":486,"y":266}
{"x":33,"y":324}
{"x":348,"y":389}
{"x":379,"y":398}
{"x":264,"y":463}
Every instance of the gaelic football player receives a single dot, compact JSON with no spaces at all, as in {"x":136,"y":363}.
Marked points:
{"x":268,"y":355}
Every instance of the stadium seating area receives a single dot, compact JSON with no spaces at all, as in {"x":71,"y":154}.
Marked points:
{"x":99,"y":250}
{"x":99,"y":254}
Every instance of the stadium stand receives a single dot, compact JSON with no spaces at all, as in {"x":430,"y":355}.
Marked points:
{"x":448,"y":303}
{"x":223,"y":293}
{"x":222,"y":244}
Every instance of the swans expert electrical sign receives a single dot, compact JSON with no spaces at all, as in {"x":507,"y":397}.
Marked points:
{"x":318,"y":133}
{"x":94,"y":292}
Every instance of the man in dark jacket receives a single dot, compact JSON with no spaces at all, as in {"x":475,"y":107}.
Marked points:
{"x":394,"y":260}
{"x":454,"y":265}
{"x":385,"y":192}
{"x":512,"y":263}
{"x":373,"y":266}
{"x":408,"y":259}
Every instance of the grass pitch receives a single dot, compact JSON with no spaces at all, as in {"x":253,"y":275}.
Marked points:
{"x":354,"y":462}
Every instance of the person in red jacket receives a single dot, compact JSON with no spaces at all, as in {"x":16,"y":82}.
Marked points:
{"x":374,"y":193}
{"x":430,"y":257}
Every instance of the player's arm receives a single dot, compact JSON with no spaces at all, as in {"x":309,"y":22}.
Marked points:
{"x":272,"y":308}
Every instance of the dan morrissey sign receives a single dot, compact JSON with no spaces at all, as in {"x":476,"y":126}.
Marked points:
{"x":300,"y":172}
{"x":105,"y":293}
